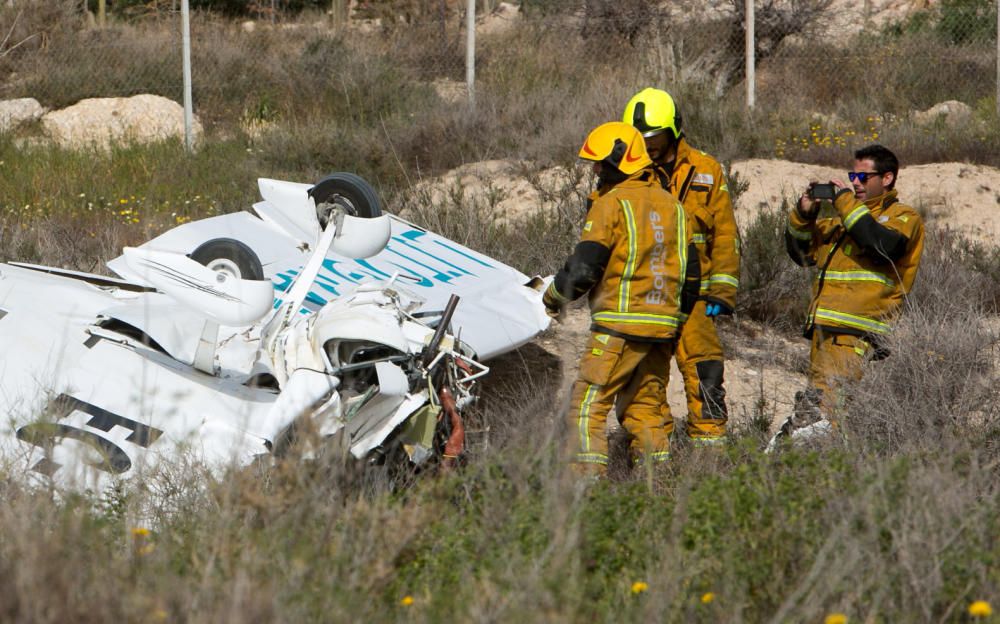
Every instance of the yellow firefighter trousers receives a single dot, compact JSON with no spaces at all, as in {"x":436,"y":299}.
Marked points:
{"x":699,"y":344}
{"x":835,"y":359}
{"x":614,"y":367}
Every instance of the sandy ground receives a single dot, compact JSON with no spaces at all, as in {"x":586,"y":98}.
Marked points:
{"x":963,"y":197}
{"x":763,"y":369}
{"x":759,"y":372}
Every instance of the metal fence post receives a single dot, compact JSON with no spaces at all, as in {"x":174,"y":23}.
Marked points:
{"x":470,"y":51}
{"x":186,"y":60}
{"x":751,"y":58}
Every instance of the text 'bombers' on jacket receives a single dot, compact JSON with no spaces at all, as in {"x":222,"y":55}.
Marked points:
{"x":637,"y":259}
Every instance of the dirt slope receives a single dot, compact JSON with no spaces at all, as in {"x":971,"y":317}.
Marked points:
{"x":961,"y":196}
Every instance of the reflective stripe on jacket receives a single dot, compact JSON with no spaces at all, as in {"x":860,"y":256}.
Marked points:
{"x":699,"y":182}
{"x":857,"y":289}
{"x":647,"y":232}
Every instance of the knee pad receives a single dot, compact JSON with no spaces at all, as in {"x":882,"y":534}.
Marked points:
{"x":713,"y":395}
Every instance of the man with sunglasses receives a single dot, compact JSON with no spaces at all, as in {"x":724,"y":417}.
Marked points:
{"x":867,"y":257}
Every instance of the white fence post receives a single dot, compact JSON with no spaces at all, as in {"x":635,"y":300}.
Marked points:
{"x":470,"y":51}
{"x":750,"y":54}
{"x":186,"y":60}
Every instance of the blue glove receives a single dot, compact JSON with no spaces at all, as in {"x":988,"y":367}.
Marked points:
{"x":712,"y":310}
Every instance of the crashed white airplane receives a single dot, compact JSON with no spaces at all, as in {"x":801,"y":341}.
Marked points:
{"x":223,"y":336}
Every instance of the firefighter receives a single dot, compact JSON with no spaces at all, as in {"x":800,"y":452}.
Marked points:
{"x":637,"y":262}
{"x":867,"y":256}
{"x":697,"y":180}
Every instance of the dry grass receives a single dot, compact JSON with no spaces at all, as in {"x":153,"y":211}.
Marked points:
{"x":895,"y":523}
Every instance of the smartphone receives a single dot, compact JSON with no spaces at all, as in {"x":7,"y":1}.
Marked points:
{"x":822,"y":191}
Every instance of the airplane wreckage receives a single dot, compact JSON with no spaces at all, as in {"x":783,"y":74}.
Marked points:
{"x":222,"y":336}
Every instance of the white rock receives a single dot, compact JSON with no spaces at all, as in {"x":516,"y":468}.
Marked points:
{"x":16,"y":112}
{"x":501,"y":19}
{"x":99,"y":122}
{"x":953,"y":111}
{"x":451,"y":91}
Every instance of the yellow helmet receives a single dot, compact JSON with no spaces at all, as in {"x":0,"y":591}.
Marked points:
{"x":618,"y":144}
{"x":652,"y":111}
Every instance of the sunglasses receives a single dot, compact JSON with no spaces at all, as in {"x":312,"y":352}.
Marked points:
{"x":861,"y":176}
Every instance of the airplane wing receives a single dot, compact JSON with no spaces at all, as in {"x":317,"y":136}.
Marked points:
{"x":499,"y":310}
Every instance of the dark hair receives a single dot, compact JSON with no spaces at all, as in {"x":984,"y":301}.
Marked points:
{"x":885,"y":161}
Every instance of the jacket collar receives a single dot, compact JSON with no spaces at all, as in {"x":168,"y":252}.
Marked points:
{"x":683,"y":152}
{"x":639,"y":179}
{"x":883,"y":201}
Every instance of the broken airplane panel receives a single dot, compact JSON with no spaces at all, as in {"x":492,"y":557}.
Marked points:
{"x":222,"y":335}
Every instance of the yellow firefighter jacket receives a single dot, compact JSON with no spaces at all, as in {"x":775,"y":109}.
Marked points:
{"x":634,"y":258}
{"x":698,"y":181}
{"x":867,"y":258}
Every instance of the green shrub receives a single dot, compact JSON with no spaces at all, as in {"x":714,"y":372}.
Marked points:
{"x":773,"y":289}
{"x":956,"y":22}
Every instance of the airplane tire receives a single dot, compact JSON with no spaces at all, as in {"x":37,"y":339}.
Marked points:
{"x":229,"y":256}
{"x":349,"y":191}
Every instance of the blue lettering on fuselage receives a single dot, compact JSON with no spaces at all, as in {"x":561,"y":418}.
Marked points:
{"x":432,"y":268}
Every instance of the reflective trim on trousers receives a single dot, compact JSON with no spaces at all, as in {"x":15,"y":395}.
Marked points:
{"x":709,"y":440}
{"x":584,"y":420}
{"x":656,"y":457}
{"x":591,"y":458}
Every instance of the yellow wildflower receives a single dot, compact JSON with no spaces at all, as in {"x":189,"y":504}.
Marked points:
{"x":980,"y":609}
{"x":140,"y":532}
{"x":406,"y":601}
{"x":707,"y":598}
{"x":835,"y":618}
{"x":639,"y":586}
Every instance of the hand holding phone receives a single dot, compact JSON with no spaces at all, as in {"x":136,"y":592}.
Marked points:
{"x":807,"y":206}
{"x":819,"y":191}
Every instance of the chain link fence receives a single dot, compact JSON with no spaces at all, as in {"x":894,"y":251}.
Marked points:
{"x":58,"y":53}
{"x":812,"y":54}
